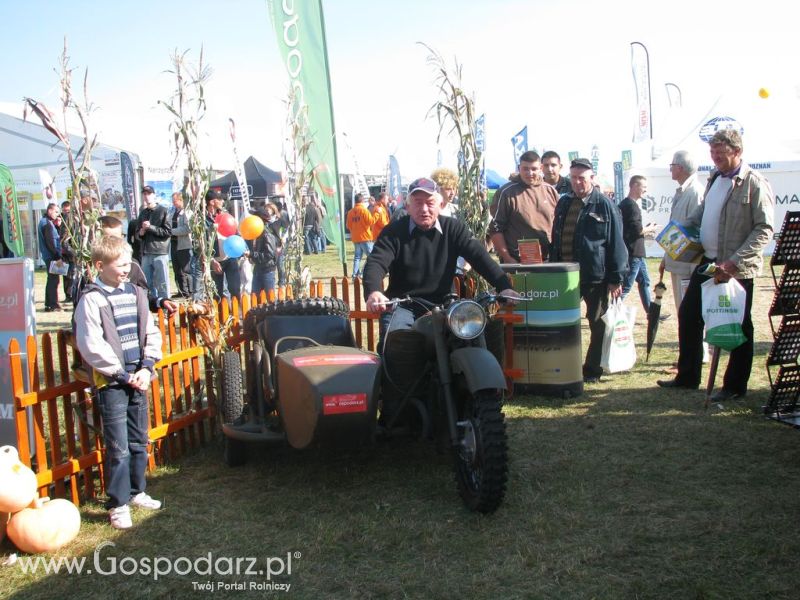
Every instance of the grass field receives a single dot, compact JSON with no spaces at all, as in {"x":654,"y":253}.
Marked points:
{"x":629,"y":491}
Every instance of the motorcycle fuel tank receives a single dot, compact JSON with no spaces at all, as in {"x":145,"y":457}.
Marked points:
{"x":327,"y":394}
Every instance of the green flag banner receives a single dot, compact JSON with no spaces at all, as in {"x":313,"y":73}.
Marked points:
{"x":300,"y":30}
{"x":12,"y":227}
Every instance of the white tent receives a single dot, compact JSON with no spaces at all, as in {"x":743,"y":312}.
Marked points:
{"x":36,"y":158}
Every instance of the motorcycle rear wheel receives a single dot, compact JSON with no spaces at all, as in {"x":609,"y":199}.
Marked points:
{"x":481,"y":459}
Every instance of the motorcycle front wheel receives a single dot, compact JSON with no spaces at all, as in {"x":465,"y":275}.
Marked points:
{"x":481,"y":457}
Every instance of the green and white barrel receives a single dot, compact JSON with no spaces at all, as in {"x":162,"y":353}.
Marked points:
{"x":547,"y":344}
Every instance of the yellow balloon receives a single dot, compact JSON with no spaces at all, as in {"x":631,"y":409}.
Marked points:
{"x":763,"y":92}
{"x":251,"y":227}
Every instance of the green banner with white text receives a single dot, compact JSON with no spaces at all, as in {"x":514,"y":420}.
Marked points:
{"x":300,"y":30}
{"x":12,"y":227}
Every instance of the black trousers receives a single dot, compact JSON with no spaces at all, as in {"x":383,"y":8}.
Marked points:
{"x":180,"y":266}
{"x":51,"y":287}
{"x":595,"y":295}
{"x":690,"y":338}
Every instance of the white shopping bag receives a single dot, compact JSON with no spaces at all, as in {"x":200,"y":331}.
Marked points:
{"x":245,"y":276}
{"x":723,"y":312}
{"x":619,"y":352}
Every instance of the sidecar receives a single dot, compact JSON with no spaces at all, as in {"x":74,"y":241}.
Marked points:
{"x":307,"y":382}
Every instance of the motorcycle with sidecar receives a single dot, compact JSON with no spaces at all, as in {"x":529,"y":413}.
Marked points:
{"x":309,"y":384}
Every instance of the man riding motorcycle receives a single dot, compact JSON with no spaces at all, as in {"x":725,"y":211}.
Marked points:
{"x":419,"y":252}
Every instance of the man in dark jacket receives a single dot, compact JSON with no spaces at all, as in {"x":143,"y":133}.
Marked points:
{"x":264,"y":250}
{"x":551,"y":172}
{"x":50,"y":251}
{"x":588,"y":230}
{"x":154,"y":230}
{"x":67,"y":251}
{"x":633,"y":233}
{"x":224,"y":271}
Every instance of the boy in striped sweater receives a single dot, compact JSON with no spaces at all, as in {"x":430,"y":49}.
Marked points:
{"x":117,"y":337}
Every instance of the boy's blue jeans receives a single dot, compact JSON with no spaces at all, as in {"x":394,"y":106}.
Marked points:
{"x":125,"y":426}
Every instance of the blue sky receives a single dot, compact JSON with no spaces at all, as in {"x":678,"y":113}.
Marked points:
{"x":561,"y":68}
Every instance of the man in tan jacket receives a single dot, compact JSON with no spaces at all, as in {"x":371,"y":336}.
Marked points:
{"x":735,"y":222}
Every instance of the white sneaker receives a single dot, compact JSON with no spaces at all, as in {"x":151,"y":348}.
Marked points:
{"x":120,"y":517}
{"x":142,"y":500}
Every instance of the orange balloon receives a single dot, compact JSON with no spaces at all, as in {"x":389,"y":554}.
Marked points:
{"x":251,"y":227}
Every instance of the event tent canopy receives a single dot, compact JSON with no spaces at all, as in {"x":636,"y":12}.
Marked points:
{"x":261,"y":180}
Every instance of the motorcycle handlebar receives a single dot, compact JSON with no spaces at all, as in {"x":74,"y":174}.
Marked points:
{"x":483,"y":299}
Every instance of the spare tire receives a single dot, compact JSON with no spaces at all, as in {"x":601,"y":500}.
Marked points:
{"x":293,"y":308}
{"x":232,"y":396}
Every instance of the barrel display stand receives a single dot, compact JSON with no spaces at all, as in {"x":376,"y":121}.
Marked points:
{"x":547,"y":354}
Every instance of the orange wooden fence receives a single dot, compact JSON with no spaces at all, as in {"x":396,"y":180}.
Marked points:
{"x":58,"y":424}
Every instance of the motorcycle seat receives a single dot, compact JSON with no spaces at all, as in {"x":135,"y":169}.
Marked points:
{"x":324,"y":329}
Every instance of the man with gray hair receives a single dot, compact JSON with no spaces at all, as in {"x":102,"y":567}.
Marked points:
{"x":735,"y":222}
{"x":688,"y":197}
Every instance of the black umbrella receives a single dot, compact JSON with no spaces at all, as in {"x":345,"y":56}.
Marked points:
{"x":654,"y":314}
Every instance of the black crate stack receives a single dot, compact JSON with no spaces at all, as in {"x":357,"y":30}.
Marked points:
{"x":785,"y":351}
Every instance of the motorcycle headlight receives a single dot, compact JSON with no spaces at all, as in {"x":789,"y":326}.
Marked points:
{"x":466,"y":319}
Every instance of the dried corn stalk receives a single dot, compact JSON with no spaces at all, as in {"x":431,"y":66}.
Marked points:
{"x":456,"y":108}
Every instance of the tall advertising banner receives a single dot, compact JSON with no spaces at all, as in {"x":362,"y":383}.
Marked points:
{"x":244,"y":191}
{"x":128,"y":185}
{"x":640,"y":64}
{"x":395,"y":187}
{"x":300,"y":31}
{"x":17,"y":320}
{"x":619,"y":185}
{"x":12,"y":227}
{"x":520,"y":142}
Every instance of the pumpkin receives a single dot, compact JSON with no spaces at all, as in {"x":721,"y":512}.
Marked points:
{"x":17,"y":482}
{"x":45,"y":528}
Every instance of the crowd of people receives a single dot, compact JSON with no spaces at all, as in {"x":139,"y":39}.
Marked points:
{"x":160,"y":237}
{"x":420,"y":246}
{"x":573,"y":221}
{"x":569,"y":218}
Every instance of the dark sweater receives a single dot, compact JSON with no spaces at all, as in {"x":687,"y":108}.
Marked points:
{"x":423,"y":263}
{"x":632,"y":228}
